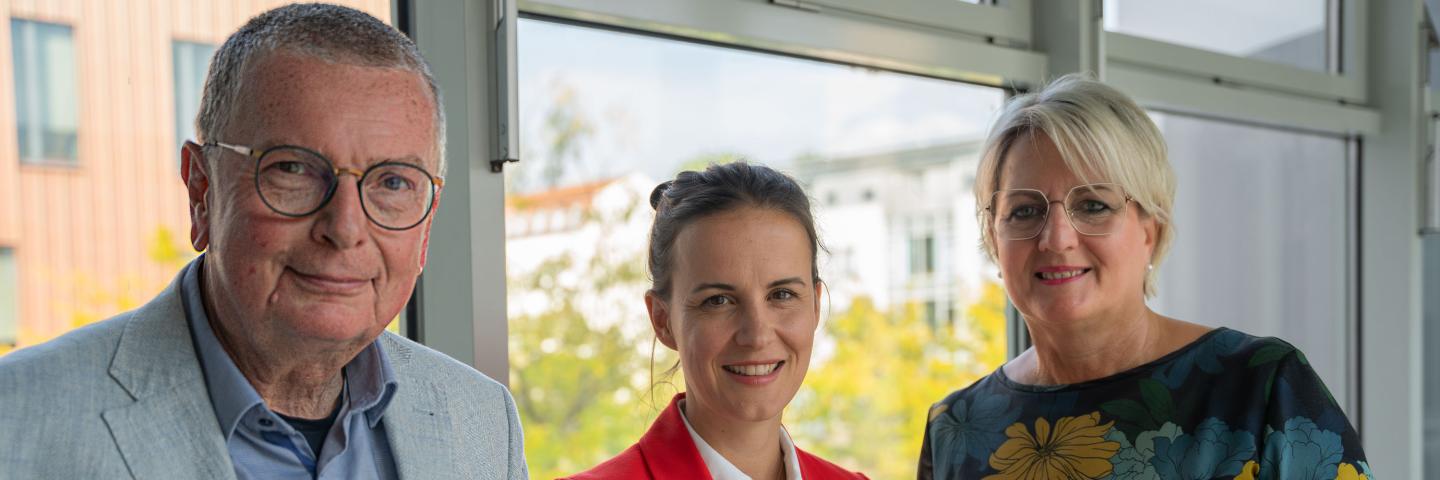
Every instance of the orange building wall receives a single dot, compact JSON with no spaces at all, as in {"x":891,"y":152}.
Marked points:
{"x":83,"y":235}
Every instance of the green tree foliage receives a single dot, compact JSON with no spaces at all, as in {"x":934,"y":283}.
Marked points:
{"x":865,"y":407}
{"x":582,"y":391}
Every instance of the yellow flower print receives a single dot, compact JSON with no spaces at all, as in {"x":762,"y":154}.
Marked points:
{"x":1250,"y":471}
{"x":1348,"y":472}
{"x":1075,"y":449}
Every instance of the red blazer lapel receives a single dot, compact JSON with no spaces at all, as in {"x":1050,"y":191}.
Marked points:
{"x":667,"y":448}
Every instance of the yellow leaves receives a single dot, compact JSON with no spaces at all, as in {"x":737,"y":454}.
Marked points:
{"x":866,"y":403}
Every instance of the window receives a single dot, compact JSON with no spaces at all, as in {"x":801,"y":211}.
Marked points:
{"x":922,"y":255}
{"x":9,"y":299}
{"x":605,"y":116}
{"x":1290,"y":32}
{"x":1430,"y":276}
{"x":47,"y":95}
{"x":1263,"y":221}
{"x":1431,"y":247}
{"x":191,"y":61}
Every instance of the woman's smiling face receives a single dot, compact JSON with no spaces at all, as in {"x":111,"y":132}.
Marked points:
{"x":1060,"y":275}
{"x":742,"y":312}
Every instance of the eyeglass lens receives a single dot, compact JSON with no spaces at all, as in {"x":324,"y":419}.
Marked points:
{"x":1093,"y":210}
{"x":296,"y":182}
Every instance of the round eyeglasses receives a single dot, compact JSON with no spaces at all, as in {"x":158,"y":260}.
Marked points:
{"x":1094,"y":209}
{"x":296,"y":181}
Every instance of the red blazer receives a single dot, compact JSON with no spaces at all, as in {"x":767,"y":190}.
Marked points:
{"x":666,"y":452}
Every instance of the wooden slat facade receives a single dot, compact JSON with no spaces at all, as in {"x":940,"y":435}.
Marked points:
{"x":82,"y":235}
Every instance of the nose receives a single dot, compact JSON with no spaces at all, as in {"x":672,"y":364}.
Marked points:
{"x":342,"y":222}
{"x":757,"y":328}
{"x":1057,"y":235}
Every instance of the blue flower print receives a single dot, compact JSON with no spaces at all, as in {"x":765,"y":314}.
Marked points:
{"x":1302,"y":451}
{"x":1213,"y":450}
{"x":1132,"y":462}
{"x":970,"y":431}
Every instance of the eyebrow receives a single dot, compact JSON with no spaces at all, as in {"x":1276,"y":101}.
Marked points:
{"x":730,"y":288}
{"x":412,"y":159}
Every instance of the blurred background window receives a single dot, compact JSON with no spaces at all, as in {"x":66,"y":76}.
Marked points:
{"x":47,"y":100}
{"x":1263,"y":219}
{"x":9,"y":304}
{"x":192,"y":61}
{"x":912,"y":311}
{"x":1289,"y":32}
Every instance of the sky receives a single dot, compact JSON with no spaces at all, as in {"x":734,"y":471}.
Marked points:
{"x":1236,"y":27}
{"x":655,"y":103}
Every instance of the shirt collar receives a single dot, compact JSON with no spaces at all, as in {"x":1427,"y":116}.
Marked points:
{"x":370,"y":381}
{"x":722,"y":469}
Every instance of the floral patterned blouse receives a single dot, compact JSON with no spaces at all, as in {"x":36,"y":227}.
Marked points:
{"x":1229,"y":405}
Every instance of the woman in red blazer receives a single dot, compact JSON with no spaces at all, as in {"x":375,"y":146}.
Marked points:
{"x":737,"y":293}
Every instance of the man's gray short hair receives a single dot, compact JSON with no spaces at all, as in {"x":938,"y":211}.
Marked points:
{"x":330,"y":33}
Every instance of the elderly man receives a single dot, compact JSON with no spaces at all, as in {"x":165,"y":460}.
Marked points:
{"x":310,"y":194}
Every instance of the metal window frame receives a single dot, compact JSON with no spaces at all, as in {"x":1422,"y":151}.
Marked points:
{"x":1008,"y":24}
{"x":826,"y":35}
{"x":463,"y":297}
{"x":1343,"y":82}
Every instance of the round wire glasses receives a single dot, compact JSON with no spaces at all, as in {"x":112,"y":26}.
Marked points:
{"x":1093,"y":209}
{"x":296,"y":181}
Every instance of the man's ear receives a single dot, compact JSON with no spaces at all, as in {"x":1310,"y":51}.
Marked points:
{"x":660,"y":319}
{"x":197,"y":184}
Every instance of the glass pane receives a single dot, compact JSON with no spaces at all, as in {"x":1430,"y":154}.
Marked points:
{"x":46,"y":92}
{"x":888,"y":159}
{"x":1291,"y":32}
{"x":9,"y":303}
{"x":105,"y":234}
{"x":1261,"y":229}
{"x":1430,"y":248}
{"x":191,"y":62}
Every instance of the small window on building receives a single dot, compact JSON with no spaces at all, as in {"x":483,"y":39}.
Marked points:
{"x":922,"y":255}
{"x":9,"y":298}
{"x":192,"y":60}
{"x":47,"y":92}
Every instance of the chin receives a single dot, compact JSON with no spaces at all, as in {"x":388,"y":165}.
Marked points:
{"x":761,"y":404}
{"x":1064,"y":309}
{"x":334,"y":323}
{"x":756,"y":410}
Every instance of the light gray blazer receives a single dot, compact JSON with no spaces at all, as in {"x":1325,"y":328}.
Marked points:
{"x":125,"y":398}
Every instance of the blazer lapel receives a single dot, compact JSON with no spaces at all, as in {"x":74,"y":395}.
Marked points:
{"x":170,"y":431}
{"x":417,"y":423}
{"x":668,"y":450}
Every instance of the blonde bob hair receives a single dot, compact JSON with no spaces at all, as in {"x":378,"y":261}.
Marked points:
{"x":1102,"y":136}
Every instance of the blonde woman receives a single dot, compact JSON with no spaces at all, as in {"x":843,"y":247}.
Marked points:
{"x":1075,"y":196}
